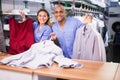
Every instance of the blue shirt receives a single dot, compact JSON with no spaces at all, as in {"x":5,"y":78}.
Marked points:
{"x":43,"y":34}
{"x":66,"y":35}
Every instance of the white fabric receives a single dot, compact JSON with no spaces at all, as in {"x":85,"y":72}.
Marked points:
{"x":40,"y":55}
{"x":89,"y":45}
{"x":81,"y":18}
{"x":106,"y":39}
{"x":94,"y":24}
{"x":66,"y":62}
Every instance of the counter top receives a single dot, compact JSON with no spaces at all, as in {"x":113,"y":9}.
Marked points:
{"x":5,"y":67}
{"x":117,"y":77}
{"x":91,"y":70}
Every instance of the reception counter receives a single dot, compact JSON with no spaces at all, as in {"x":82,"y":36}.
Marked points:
{"x":13,"y":73}
{"x":117,"y":76}
{"x":91,"y":70}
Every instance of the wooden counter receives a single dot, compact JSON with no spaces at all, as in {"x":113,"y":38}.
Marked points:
{"x":90,"y":71}
{"x":5,"y":67}
{"x":13,"y":73}
{"x":3,"y":55}
{"x":117,"y":77}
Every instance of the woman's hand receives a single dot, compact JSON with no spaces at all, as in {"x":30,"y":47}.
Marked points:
{"x":22,"y":14}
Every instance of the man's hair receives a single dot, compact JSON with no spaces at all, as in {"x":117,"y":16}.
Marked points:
{"x":59,"y":5}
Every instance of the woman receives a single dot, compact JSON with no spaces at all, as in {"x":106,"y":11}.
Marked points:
{"x":41,"y":27}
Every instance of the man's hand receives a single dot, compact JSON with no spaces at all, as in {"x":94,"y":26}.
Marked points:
{"x":88,"y":19}
{"x":53,"y":36}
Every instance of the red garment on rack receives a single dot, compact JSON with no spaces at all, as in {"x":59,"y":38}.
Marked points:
{"x":21,"y":35}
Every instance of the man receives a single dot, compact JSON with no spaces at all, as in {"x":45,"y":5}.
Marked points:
{"x":64,"y":30}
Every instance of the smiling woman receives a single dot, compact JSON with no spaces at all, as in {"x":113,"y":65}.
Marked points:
{"x":42,"y":27}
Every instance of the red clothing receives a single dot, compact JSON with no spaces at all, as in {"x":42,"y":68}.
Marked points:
{"x":21,"y":35}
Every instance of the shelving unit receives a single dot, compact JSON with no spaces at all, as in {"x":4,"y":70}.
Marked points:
{"x":5,"y":23}
{"x":2,"y":43}
{"x":76,"y":7}
{"x":8,"y":13}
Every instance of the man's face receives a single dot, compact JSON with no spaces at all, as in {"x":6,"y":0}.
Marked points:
{"x":59,"y":14}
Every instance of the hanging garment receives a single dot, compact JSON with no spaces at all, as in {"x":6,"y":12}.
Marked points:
{"x":89,"y":45}
{"x":41,"y":54}
{"x":21,"y":35}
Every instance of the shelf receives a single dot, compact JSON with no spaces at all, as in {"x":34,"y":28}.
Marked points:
{"x":10,"y":13}
{"x":6,"y":27}
{"x":7,"y":40}
{"x":38,"y":1}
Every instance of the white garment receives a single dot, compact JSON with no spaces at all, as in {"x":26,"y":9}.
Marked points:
{"x":88,"y":44}
{"x":81,"y":18}
{"x":100,"y":24}
{"x":66,"y":62}
{"x":41,"y":54}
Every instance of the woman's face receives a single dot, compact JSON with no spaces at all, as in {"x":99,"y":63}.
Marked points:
{"x":42,"y":17}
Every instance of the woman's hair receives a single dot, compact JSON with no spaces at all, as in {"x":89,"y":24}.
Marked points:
{"x":48,"y":21}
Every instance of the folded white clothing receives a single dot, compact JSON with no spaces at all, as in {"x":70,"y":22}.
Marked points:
{"x":67,"y":63}
{"x":41,"y":54}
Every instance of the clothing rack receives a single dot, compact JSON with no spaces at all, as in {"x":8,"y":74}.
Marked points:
{"x":76,"y":7}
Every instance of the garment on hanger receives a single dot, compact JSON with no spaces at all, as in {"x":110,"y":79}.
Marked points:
{"x":88,"y":44}
{"x":100,"y":27}
{"x":21,"y":35}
